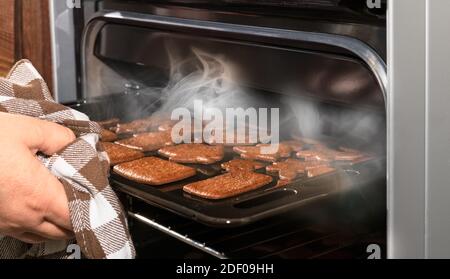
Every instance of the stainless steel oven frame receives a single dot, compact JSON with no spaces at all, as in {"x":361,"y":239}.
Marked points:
{"x":418,"y":134}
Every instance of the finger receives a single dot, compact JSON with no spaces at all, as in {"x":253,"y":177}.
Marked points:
{"x":58,"y":209}
{"x":51,"y":196}
{"x":40,"y":135}
{"x":55,"y":138}
{"x":50,"y":231}
{"x":29,"y":238}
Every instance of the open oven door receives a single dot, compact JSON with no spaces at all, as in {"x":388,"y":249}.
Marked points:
{"x":128,"y":57}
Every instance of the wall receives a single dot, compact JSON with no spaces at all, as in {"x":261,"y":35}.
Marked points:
{"x":7,"y":35}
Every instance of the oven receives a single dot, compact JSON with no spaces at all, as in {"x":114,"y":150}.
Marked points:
{"x":320,"y":63}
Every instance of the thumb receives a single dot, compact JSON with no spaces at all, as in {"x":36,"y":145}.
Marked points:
{"x":48,"y":137}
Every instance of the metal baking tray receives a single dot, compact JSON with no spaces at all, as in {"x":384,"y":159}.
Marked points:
{"x":264,"y":202}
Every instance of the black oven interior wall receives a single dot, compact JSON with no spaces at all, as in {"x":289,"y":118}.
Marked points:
{"x":132,"y":71}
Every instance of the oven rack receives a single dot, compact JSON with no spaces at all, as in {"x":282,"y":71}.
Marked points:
{"x":327,"y":231}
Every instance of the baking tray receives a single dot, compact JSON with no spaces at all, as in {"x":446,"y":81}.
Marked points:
{"x":264,"y":202}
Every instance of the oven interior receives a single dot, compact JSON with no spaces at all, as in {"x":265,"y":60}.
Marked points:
{"x":134,"y":67}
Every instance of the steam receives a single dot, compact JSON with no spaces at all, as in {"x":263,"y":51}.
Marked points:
{"x":205,"y":88}
{"x":205,"y":77}
{"x":357,"y":128}
{"x":211,"y":79}
{"x":307,"y":117}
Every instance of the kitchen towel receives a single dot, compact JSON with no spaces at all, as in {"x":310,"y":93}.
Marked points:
{"x":96,"y":214}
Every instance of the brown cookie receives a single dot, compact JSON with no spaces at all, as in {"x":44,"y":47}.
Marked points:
{"x":147,"y":141}
{"x":195,"y":134}
{"x":119,"y":154}
{"x":107,"y":135}
{"x":241,"y":164}
{"x":136,"y":126}
{"x":255,"y":152}
{"x":228,"y":185}
{"x":193,"y":153}
{"x":323,"y":155}
{"x":140,"y":125}
{"x":166,"y":126}
{"x":237,"y":140}
{"x":154,"y":171}
{"x":347,"y":154}
{"x":291,"y":168}
{"x":109,"y":123}
{"x":314,"y":172}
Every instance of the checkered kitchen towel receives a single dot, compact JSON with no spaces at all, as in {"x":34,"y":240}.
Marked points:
{"x":97,"y":217}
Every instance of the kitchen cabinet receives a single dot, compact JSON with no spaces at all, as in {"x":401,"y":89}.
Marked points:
{"x":25,"y":33}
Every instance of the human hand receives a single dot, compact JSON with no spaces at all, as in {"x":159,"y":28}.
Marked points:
{"x":33,"y":203}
